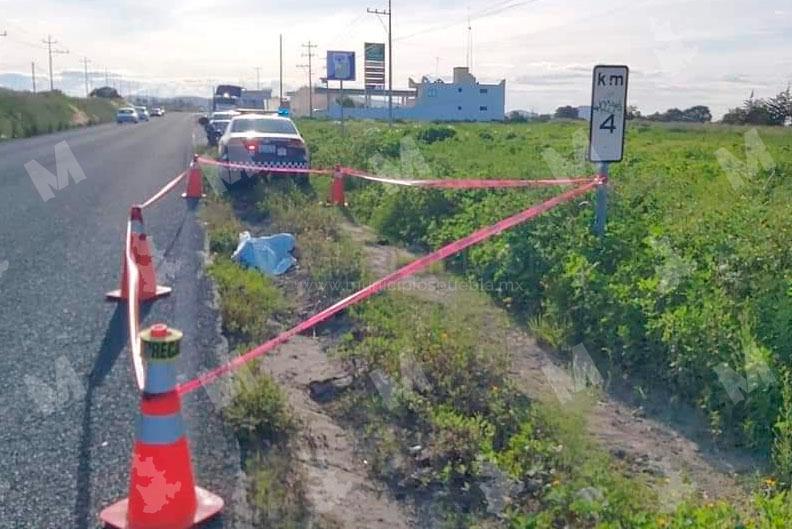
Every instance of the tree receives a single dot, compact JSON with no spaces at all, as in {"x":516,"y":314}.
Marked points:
{"x":780,"y":107}
{"x":698,"y":114}
{"x":633,"y":112}
{"x":105,"y":92}
{"x":566,"y":112}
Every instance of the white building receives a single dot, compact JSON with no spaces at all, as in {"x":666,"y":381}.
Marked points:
{"x":464,"y":99}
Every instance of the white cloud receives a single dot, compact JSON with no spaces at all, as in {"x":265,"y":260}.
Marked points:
{"x":690,"y":51}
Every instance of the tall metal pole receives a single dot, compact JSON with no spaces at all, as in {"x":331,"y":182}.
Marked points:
{"x":33,"y":75}
{"x":280,"y":101}
{"x":390,"y":64}
{"x":389,"y":14}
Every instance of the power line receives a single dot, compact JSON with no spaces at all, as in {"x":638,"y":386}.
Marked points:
{"x":310,"y":54}
{"x":389,"y":13}
{"x":483,"y":13}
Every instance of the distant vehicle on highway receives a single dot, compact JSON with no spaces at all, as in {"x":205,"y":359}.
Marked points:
{"x":157,"y":111}
{"x":266,"y":139}
{"x":143,"y":113}
{"x":127,"y":115}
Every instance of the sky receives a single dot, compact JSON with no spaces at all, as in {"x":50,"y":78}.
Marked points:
{"x":680,"y":52}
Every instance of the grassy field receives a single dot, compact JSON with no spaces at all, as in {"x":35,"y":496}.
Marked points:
{"x":24,"y":114}
{"x":690,"y":292}
{"x":692,"y":287}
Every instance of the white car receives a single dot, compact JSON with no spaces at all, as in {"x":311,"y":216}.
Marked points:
{"x":143,"y":113}
{"x":127,"y":115}
{"x":262,"y":141}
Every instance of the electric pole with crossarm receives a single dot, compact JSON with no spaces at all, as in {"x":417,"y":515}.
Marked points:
{"x":310,"y":54}
{"x":49,"y":42}
{"x":389,"y":14}
{"x":85,"y":62}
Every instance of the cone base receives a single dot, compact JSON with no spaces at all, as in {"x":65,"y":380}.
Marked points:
{"x":115,"y":295}
{"x":209,"y":505}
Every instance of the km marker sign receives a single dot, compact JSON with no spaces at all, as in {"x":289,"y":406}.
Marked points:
{"x":608,"y":113}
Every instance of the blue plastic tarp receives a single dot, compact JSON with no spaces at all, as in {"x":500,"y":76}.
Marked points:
{"x":270,"y":255}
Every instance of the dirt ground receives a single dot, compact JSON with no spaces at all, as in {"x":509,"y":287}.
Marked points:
{"x":664,"y":445}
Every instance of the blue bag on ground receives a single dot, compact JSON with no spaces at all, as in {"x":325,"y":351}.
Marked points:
{"x":271,"y":255}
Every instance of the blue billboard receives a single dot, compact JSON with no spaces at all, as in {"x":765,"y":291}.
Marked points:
{"x":340,"y":65}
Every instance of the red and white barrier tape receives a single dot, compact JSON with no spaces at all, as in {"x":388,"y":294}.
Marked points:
{"x":406,"y":271}
{"x":133,"y":306}
{"x":466,"y":183}
{"x":164,"y":191}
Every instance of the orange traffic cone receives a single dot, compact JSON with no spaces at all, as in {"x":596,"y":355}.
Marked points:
{"x":162,"y":491}
{"x":337,"y":188}
{"x":141,"y":252}
{"x":194,"y":180}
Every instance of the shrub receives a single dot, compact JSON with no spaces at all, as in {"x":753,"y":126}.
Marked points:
{"x":248,"y":299}
{"x":435,"y":133}
{"x":258,"y":411}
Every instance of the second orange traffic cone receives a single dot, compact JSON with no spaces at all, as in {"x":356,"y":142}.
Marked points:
{"x":141,"y":251}
{"x":194,"y":180}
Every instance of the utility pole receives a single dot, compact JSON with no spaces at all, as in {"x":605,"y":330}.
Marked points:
{"x":33,"y":75}
{"x":85,"y":62}
{"x":389,"y":14}
{"x":49,"y":42}
{"x":310,"y":54}
{"x":258,"y":77}
{"x":107,"y":78}
{"x":280,"y":100}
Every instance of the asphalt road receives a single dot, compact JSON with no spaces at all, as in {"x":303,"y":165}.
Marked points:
{"x":68,"y":400}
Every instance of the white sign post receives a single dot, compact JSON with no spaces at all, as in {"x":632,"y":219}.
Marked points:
{"x":606,"y":129}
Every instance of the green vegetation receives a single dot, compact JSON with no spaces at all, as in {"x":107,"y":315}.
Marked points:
{"x":694,"y":274}
{"x":24,"y":114}
{"x":691,"y":290}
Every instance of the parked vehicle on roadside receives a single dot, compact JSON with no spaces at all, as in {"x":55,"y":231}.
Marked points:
{"x":215,"y":125}
{"x":265,"y":139}
{"x":143,"y":113}
{"x":157,"y":112}
{"x":127,"y":115}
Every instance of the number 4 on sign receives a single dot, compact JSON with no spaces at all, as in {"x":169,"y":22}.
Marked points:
{"x":609,"y":124}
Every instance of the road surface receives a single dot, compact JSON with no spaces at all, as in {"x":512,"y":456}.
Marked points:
{"x":68,"y":399}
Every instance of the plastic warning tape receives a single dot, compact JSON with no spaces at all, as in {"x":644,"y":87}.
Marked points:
{"x":451,"y":183}
{"x":406,"y":271}
{"x":133,"y":306}
{"x":164,"y":191}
